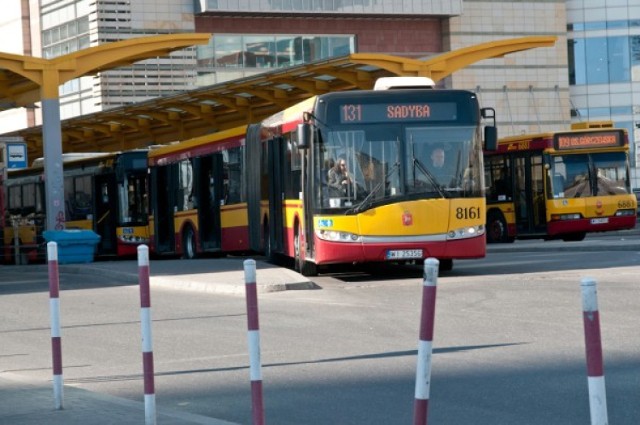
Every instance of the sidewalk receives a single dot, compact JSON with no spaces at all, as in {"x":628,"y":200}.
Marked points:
{"x":32,"y":403}
{"x":217,"y":275}
{"x":26,"y":402}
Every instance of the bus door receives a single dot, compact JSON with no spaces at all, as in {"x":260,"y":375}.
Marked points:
{"x":529,"y":199}
{"x":106,"y":216}
{"x":276,"y":170}
{"x":208,"y":191}
{"x":163,"y":184}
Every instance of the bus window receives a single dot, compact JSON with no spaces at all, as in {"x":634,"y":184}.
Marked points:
{"x":372,"y":160}
{"x":576,"y":167}
{"x":132,"y":193}
{"x":611,"y":173}
{"x":15,"y":199}
{"x":78,"y":197}
{"x":439,"y":161}
{"x":232,"y":168}
{"x":185,"y":185}
{"x":293,"y":183}
{"x":498,"y":179}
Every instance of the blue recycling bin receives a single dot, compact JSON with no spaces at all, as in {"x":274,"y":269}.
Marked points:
{"x":74,"y":245}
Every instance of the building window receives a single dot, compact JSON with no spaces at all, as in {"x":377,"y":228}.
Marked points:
{"x":619,"y":56}
{"x":597,"y":63}
{"x":604,"y":60}
{"x":634,"y":46}
{"x":235,"y":56}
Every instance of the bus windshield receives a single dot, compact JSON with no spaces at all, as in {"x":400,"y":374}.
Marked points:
{"x":359,"y":167}
{"x":595,"y":174}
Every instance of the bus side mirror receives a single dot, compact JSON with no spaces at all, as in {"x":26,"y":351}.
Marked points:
{"x":490,"y":138}
{"x":304,"y":135}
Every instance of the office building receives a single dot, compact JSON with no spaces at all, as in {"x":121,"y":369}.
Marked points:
{"x":604,"y":66}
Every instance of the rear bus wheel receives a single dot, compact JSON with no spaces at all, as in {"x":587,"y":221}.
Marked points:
{"x":189,"y":244}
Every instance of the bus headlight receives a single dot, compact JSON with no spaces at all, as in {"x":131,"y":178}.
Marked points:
{"x":336,"y":236}
{"x":466,"y":232}
{"x":573,"y":216}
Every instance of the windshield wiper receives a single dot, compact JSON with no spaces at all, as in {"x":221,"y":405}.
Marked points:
{"x":366,"y":201}
{"x":429,"y":175}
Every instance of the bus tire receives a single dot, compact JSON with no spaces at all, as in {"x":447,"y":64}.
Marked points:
{"x":266,"y":243}
{"x":305,"y":268}
{"x":496,"y":228}
{"x":574,"y":237}
{"x":189,"y":244}
{"x":446,"y":265}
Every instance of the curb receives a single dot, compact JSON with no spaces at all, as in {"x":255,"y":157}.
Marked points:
{"x":228,"y":282}
{"x":571,"y":246}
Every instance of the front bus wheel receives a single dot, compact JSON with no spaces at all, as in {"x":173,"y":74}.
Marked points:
{"x":497,"y":228}
{"x":446,"y":265}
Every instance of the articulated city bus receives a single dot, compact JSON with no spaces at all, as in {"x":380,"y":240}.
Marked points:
{"x":267,"y":186}
{"x":103,"y":192}
{"x":559,"y":185}
{"x":198,"y":196}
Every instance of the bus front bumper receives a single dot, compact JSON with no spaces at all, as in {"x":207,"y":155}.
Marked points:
{"x":587,"y":225}
{"x":328,"y":252}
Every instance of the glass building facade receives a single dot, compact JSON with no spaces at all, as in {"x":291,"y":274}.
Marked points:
{"x":604,"y":66}
{"x":231,"y":56}
{"x":388,"y":7}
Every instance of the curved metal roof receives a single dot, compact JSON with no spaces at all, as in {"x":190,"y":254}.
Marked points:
{"x":230,"y":104}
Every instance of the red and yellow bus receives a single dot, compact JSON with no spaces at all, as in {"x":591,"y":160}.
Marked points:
{"x":559,"y":185}
{"x":103,"y":192}
{"x":264,"y":187}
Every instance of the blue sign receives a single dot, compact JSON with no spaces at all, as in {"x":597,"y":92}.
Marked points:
{"x":16,"y":155}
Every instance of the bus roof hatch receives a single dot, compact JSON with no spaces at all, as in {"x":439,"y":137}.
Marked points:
{"x":390,"y":83}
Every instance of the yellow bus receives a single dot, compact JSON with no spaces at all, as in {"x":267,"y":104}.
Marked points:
{"x":559,"y":185}
{"x":103,"y":192}
{"x":266,"y":187}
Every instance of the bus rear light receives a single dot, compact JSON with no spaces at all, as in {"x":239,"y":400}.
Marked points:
{"x":560,"y":217}
{"x":335,"y":236}
{"x":625,"y":213}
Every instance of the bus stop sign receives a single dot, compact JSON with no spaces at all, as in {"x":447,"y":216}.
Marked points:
{"x":16,"y":155}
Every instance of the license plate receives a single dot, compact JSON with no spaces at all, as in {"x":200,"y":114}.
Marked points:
{"x":603,"y":220}
{"x":403,"y":254}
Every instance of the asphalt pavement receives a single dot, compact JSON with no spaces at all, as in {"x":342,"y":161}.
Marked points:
{"x":30,"y":403}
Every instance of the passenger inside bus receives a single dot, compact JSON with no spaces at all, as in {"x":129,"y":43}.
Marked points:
{"x":437,"y":158}
{"x":439,"y":167}
{"x":502,"y":187}
{"x":340,"y":178}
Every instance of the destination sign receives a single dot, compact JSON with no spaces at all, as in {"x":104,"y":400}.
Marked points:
{"x":601,"y":139}
{"x":385,"y":112}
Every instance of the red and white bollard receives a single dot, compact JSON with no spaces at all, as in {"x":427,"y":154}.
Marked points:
{"x":147,"y":344}
{"x":593,"y":344}
{"x":255,"y":372}
{"x":54,"y":308}
{"x":425,"y":347}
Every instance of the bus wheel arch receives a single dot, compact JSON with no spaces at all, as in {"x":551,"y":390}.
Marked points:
{"x":189,"y":249}
{"x":497,"y":230}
